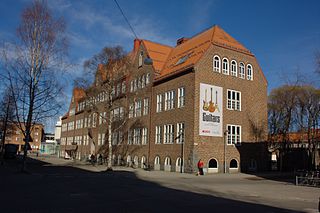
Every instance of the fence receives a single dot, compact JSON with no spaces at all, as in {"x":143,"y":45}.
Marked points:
{"x":308,"y":178}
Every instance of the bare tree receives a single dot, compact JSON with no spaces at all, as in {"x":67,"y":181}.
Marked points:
{"x":34,"y":67}
{"x":109,"y":67}
{"x":6,"y":118}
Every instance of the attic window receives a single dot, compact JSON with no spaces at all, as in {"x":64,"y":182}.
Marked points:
{"x":182,"y":59}
{"x":140,"y":59}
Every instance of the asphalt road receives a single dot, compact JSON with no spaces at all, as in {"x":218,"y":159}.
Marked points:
{"x":55,"y":185}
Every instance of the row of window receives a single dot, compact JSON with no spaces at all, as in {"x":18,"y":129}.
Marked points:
{"x":136,"y":110}
{"x":166,"y":134}
{"x":232,"y":69}
{"x":168,"y":100}
{"x":139,"y":82}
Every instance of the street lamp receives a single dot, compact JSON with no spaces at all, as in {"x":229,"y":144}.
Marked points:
{"x":225,"y":148}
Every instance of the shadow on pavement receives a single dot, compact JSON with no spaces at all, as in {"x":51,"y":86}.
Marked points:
{"x":50,"y":188}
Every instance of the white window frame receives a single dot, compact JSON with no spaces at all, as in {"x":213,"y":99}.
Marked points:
{"x":233,"y":100}
{"x":249,"y":72}
{"x":168,"y":131}
{"x":242,"y":70}
{"x":158,"y":135}
{"x":181,"y":97}
{"x":137,"y":108}
{"x":169,"y":100}
{"x":144,"y":136}
{"x":159,"y":102}
{"x":225,"y":66}
{"x":140,"y":59}
{"x":146,"y":106}
{"x":234,"y":134}
{"x":180,"y":133}
{"x":234,"y":68}
{"x":216,"y":63}
{"x":131,"y":110}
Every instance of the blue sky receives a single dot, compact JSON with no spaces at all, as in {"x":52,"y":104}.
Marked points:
{"x":283,"y":34}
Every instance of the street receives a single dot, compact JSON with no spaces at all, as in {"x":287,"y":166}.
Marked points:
{"x":57,"y":185}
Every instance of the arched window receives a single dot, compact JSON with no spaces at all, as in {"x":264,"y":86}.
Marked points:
{"x":119,"y":160}
{"x":249,"y":72}
{"x":233,"y":68}
{"x":167,"y":161}
{"x":179,"y":162}
{"x":216,"y":63}
{"x":233,"y":164}
{"x":143,"y":162}
{"x":128,"y":160}
{"x":241,"y":70}
{"x":136,"y":160}
{"x":157,"y":160}
{"x":225,"y":66}
{"x":213,"y":163}
{"x":147,"y":78}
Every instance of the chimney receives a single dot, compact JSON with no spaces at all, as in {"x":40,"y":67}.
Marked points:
{"x":136,"y":44}
{"x":182,"y":40}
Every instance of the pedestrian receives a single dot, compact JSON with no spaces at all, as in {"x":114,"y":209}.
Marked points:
{"x":200,"y":167}
{"x":100,"y":159}
{"x":93,"y":159}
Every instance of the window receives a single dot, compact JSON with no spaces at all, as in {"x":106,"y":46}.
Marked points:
{"x":233,"y":164}
{"x":157,"y":160}
{"x":131,"y":86}
{"x":181,"y":97}
{"x":234,"y":100}
{"x":139,"y":82}
{"x":143,"y":81}
{"x":140,"y":59}
{"x":234,"y":134}
{"x":121,"y":113}
{"x":225,"y":66}
{"x":99,"y":139}
{"x":123,"y":87}
{"x":100,"y":118}
{"x":137,"y":136}
{"x":131,"y":110}
{"x":130,"y":136}
{"x":145,"y":106}
{"x":158,"y":134}
{"x":135,"y":85}
{"x":138,"y":108}
{"x":144,"y":136}
{"x":241,"y":70}
{"x":233,"y":68}
{"x":168,"y":133}
{"x":118,"y":89}
{"x":180,"y":132}
{"x":249,"y":72}
{"x":216,"y":63}
{"x":148,"y":78}
{"x":169,"y":100}
{"x":159,"y":103}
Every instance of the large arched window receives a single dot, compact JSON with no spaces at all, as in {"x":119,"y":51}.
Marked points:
{"x":249,"y":72}
{"x":216,"y":63}
{"x":233,"y":68}
{"x":241,"y":70}
{"x":225,"y":66}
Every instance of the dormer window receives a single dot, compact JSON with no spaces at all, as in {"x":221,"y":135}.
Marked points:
{"x":249,"y":72}
{"x":216,"y":63}
{"x":140,"y":59}
{"x":225,"y":66}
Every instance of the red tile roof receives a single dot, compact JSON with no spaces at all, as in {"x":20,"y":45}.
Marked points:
{"x":169,"y":60}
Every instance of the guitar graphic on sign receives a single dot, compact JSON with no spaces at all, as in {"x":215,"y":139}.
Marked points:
{"x":216,"y":106}
{"x":211,"y":104}
{"x":205,"y":103}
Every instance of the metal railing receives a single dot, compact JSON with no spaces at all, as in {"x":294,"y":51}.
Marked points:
{"x":308,"y":178}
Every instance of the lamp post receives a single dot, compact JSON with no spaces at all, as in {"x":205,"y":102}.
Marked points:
{"x":225,"y":150}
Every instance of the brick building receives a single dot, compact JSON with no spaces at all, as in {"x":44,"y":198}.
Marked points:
{"x":15,"y":136}
{"x":205,"y":98}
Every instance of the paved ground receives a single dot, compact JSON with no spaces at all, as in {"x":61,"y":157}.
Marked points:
{"x":57,"y":185}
